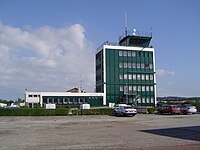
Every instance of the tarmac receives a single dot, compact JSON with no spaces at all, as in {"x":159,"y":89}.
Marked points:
{"x":141,"y":132}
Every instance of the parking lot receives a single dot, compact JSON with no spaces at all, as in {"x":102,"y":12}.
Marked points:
{"x":143,"y":131}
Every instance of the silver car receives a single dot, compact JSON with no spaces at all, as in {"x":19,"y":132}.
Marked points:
{"x":125,"y":111}
{"x":188,"y":109}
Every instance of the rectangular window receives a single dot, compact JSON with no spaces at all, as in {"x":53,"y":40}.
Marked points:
{"x":120,"y":76}
{"x":125,"y":64}
{"x":121,"y":88}
{"x":147,"y":88}
{"x":139,"y":88}
{"x":124,"y":53}
{"x":142,"y":65}
{"x":143,"y":100}
{"x":143,"y":77}
{"x":130,"y":76}
{"x":147,"y":100}
{"x":143,"y":88}
{"x":129,"y":53}
{"x":130,"y":88}
{"x":120,"y":53}
{"x":152,"y":101}
{"x":129,"y":65}
{"x":151,"y":66}
{"x":133,"y":65}
{"x":138,"y":77}
{"x":151,"y":88}
{"x":134,"y":76}
{"x":151,"y":77}
{"x":147,"y":77}
{"x":138,"y":65}
{"x":120,"y":65}
{"x":133,"y":54}
{"x":134,"y":88}
{"x":125,"y":76}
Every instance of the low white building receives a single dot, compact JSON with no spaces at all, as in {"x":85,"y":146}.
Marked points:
{"x":64,"y":98}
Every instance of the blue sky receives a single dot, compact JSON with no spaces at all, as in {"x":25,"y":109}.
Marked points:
{"x":40,"y":39}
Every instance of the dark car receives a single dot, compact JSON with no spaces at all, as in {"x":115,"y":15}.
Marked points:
{"x":170,"y":109}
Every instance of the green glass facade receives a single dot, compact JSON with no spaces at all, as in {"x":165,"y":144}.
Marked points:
{"x":128,"y":76}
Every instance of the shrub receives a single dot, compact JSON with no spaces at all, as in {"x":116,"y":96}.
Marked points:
{"x":33,"y":112}
{"x":151,"y":110}
{"x":97,"y":111}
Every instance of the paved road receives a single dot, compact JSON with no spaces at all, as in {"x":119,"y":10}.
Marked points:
{"x":144,"y":132}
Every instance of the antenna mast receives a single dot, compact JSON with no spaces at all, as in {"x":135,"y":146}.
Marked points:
{"x":125,"y":25}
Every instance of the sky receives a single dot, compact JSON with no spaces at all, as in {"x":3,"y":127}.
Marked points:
{"x":50,"y":45}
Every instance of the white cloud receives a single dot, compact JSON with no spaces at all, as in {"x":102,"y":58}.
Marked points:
{"x":44,"y":58}
{"x":162,"y":72}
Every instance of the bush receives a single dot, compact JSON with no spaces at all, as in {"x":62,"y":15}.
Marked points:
{"x":100,"y":111}
{"x":33,"y":112}
{"x":151,"y":110}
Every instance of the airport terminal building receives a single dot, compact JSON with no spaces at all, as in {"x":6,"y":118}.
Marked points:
{"x":125,"y":73}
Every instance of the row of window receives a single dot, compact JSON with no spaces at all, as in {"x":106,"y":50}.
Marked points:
{"x":143,"y":77}
{"x":34,"y":96}
{"x":65,"y":100}
{"x":136,"y":88}
{"x":134,"y":53}
{"x":146,"y":100}
{"x":135,"y":65}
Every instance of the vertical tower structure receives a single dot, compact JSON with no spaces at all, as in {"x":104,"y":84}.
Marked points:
{"x":125,"y":71}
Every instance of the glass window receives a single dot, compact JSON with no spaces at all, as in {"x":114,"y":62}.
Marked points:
{"x":151,"y":66}
{"x":130,"y":76}
{"x":130,"y":88}
{"x":121,"y":88}
{"x":151,"y":77}
{"x":125,"y":76}
{"x":138,"y":76}
{"x":147,"y":100}
{"x":143,"y":88}
{"x":138,"y":65}
{"x":142,"y":65}
{"x":125,"y":53}
{"x":134,"y":76}
{"x":143,"y":100}
{"x":120,"y":53}
{"x":147,"y":88}
{"x":120,"y":65}
{"x":125,"y":64}
{"x":120,"y":76}
{"x":139,"y":100}
{"x":152,"y":101}
{"x":129,"y":64}
{"x":143,"y":77}
{"x":151,"y":88}
{"x":129,"y":53}
{"x":133,"y":65}
{"x":134,"y":88}
{"x":139,"y":88}
{"x":147,"y":77}
{"x":133,"y":54}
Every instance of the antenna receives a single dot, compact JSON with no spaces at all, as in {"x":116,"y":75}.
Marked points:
{"x":125,"y":25}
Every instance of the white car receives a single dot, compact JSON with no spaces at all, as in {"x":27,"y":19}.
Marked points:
{"x":125,"y":110}
{"x":188,"y":109}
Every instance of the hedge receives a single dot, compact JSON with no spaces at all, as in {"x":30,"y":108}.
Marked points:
{"x":33,"y":112}
{"x":96,"y":111}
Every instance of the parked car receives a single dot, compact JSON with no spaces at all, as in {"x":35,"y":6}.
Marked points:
{"x":188,"y":109}
{"x":170,"y":109}
{"x":125,"y":110}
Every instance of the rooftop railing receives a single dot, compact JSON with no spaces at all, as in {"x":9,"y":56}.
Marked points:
{"x":135,"y":32}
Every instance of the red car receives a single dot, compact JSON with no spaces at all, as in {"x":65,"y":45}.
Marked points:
{"x":170,"y":109}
